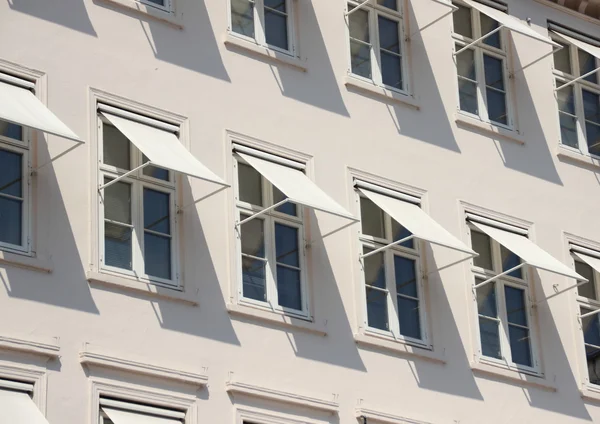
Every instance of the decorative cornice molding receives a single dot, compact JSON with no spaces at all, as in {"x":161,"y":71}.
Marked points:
{"x":90,"y":358}
{"x":47,"y":350}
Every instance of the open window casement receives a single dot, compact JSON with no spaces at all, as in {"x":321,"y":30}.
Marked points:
{"x":591,"y":258}
{"x":16,"y":405}
{"x":530,"y":253}
{"x":119,"y":412}
{"x":411,"y":217}
{"x":159,"y":143}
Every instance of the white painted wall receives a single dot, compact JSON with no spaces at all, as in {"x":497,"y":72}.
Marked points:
{"x":84,"y":44}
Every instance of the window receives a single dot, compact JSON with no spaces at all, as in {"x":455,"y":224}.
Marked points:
{"x":138,"y":219}
{"x":266,"y":22}
{"x":114,"y":411}
{"x":377,"y":43}
{"x":16,"y":403}
{"x":392,"y":277}
{"x":160,"y":4}
{"x":579,"y":103}
{"x":503,"y":305}
{"x":481,"y":68}
{"x":589,"y":301}
{"x":271,"y":245}
{"x":14,"y":187}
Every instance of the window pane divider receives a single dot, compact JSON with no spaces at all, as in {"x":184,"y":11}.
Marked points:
{"x":472,"y":43}
{"x":577,"y":79}
{"x":264,"y":211}
{"x":364,"y":3}
{"x":156,"y":233}
{"x":10,"y":196}
{"x":122,"y":224}
{"x":372,"y":252}
{"x":120,"y":177}
{"x":491,"y":280}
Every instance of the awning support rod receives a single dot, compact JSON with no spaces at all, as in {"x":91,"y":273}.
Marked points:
{"x":35,"y":171}
{"x":405,"y":239}
{"x":264,"y":211}
{"x":522,"y":68}
{"x":120,"y":177}
{"x":490,"y":280}
{"x":424,"y":27}
{"x":560,"y":292}
{"x":358,"y":7}
{"x":472,"y":43}
{"x":589,"y":314}
{"x":221,"y":188}
{"x":577,"y":79}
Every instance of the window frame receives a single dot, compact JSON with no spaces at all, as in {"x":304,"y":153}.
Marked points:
{"x":260,"y":37}
{"x":375,"y":10}
{"x":480,"y":50}
{"x":524,"y":284}
{"x":414,"y":254}
{"x":269,"y":220}
{"x":138,"y":182}
{"x":168,"y":6}
{"x":578,"y":88}
{"x":135,"y":408}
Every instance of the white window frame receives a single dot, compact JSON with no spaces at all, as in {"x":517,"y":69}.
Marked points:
{"x":167,"y":7}
{"x":392,"y":298}
{"x":375,"y":10}
{"x":138,"y":182}
{"x":136,"y":408}
{"x":506,"y":280}
{"x":480,"y":49}
{"x":578,"y":87}
{"x":260,"y":37}
{"x":269,"y":220}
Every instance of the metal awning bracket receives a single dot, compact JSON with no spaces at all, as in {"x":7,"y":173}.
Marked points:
{"x":257,"y":214}
{"x":589,"y":314}
{"x":472,"y":43}
{"x":120,"y":177}
{"x":36,"y":170}
{"x":386,"y":247}
{"x":577,"y":79}
{"x":491,"y":280}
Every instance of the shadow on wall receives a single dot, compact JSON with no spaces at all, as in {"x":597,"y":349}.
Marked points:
{"x":66,"y":286}
{"x":68,"y":13}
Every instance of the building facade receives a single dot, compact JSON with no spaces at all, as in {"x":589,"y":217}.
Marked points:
{"x":295,"y":211}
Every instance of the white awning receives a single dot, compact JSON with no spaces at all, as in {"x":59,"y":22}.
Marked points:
{"x":590,"y":260}
{"x":18,"y":408}
{"x":529,"y":252}
{"x":20,"y":106}
{"x":118,"y":416}
{"x":415,"y":220}
{"x":509,"y":22}
{"x":296,"y":186}
{"x":586,"y":47}
{"x":163,"y":149}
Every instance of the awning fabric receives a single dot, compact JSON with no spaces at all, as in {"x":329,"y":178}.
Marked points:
{"x":20,"y":106}
{"x":18,"y":408}
{"x":415,"y":220}
{"x":296,"y":186}
{"x":118,"y":416}
{"x":586,"y":47}
{"x":590,"y":260}
{"x":509,"y":22}
{"x":163,"y":148}
{"x":528,"y":251}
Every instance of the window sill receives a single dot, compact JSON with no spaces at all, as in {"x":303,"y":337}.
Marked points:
{"x":135,"y":286}
{"x":26,"y":262}
{"x":276,"y":318}
{"x":589,"y":392}
{"x":507,"y":374}
{"x":398,"y":347}
{"x":489,"y":129}
{"x":149,"y":11}
{"x":234,"y":41}
{"x":353,"y":83}
{"x":574,"y":156}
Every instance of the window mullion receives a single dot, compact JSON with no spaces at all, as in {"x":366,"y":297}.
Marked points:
{"x":375,"y":47}
{"x":482,"y":89}
{"x":392,"y":301}
{"x":259,"y":19}
{"x":582,"y":133}
{"x":504,"y":334}
{"x":137,"y":213}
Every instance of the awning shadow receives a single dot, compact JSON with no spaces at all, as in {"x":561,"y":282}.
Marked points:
{"x":68,"y":13}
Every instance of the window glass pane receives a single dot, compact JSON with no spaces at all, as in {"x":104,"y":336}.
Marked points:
{"x":587,"y":63}
{"x":481,"y":244}
{"x":516,"y":311}
{"x":157,"y":211}
{"x":408,"y":316}
{"x":115,"y":147}
{"x":562,"y":59}
{"x":11,"y":173}
{"x":496,"y":106}
{"x":592,"y":133}
{"x":155,"y":171}
{"x":467,"y":92}
{"x":462,"y":21}
{"x":157,"y":256}
{"x":568,"y":130}
{"x":253,"y":237}
{"x":276,"y":28}
{"x":494,"y":72}
{"x":486,"y":299}
{"x":287,"y":208}
{"x":253,"y":276}
{"x":465,"y":62}
{"x":117,"y":202}
{"x":510,"y":260}
{"x":278,"y":5}
{"x":372,"y":218}
{"x":289,"y":292}
{"x":490,"y":338}
{"x":588,"y":289}
{"x":591,"y":106}
{"x":374,"y":269}
{"x":390,"y":4}
{"x":250,"y":185}
{"x":359,"y":24}
{"x":488,"y":25}
{"x":591,"y":328}
{"x":117,"y":245}
{"x":377,"y":313}
{"x":11,"y":130}
{"x":406,"y":276}
{"x":593,"y":364}
{"x":360,"y":48}
{"x":399,"y":232}
{"x":519,"y":345}
{"x":11,"y":212}
{"x":389,"y":37}
{"x":159,"y":2}
{"x":242,"y":17}
{"x":566,"y":98}
{"x":391,"y":70}
{"x":496,"y":97}
{"x":286,"y":245}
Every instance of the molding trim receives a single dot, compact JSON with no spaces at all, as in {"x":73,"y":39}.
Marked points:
{"x":384,"y":417}
{"x":252,"y":390}
{"x":90,"y":358}
{"x":47,"y":350}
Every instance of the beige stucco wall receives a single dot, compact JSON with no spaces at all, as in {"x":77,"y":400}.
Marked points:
{"x":84,"y":44}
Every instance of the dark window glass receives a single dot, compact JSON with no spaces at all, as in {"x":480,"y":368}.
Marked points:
{"x":562,"y":59}
{"x":462,"y":21}
{"x":360,"y":45}
{"x":287,"y":208}
{"x":116,"y":148}
{"x":399,"y":233}
{"x":518,"y":330}
{"x":118,"y":230}
{"x":377,"y":313}
{"x":481,"y":244}
{"x":157,"y":230}
{"x":587,"y":63}
{"x":250,"y":185}
{"x":155,"y":171}
{"x":407,"y":292}
{"x":10,"y":130}
{"x":488,"y":320}
{"x":510,"y":260}
{"x":372,"y":218}
{"x":276,"y":26}
{"x":588,"y":289}
{"x":253,"y":259}
{"x":487,"y":26}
